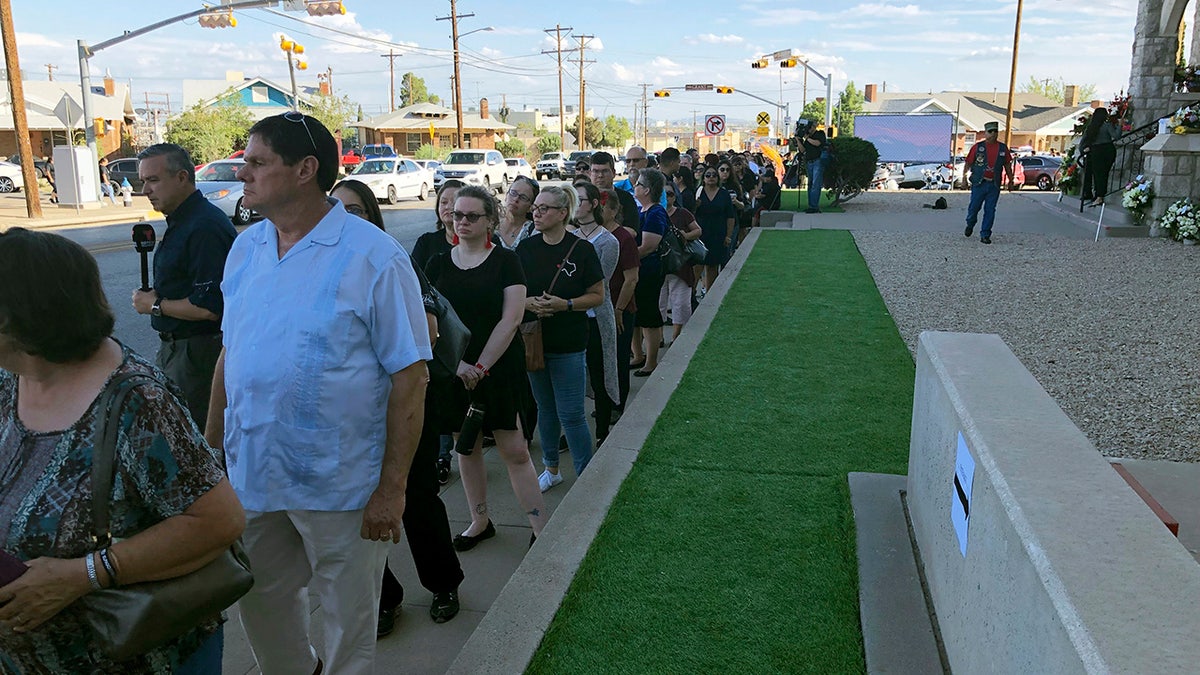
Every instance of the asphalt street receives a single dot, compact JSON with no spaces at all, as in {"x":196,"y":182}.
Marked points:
{"x":120,"y":266}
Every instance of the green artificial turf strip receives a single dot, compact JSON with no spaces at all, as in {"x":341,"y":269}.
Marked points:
{"x":730,"y":546}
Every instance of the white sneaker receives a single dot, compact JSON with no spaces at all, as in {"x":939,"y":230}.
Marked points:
{"x":548,"y":480}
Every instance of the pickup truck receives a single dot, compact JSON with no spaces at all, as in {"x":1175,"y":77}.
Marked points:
{"x":551,"y":164}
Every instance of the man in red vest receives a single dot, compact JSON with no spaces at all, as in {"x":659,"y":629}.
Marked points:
{"x":985,"y":162}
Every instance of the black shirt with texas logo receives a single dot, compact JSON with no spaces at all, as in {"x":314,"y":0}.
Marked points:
{"x":564,"y":332}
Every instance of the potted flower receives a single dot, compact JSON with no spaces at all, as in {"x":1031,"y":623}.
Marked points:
{"x":1139,"y":194}
{"x":1186,"y":120}
{"x":1181,"y":221}
{"x":1068,"y":181}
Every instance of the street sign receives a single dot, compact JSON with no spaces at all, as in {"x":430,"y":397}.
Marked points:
{"x":697,"y":87}
{"x":764,"y":118}
{"x":69,"y":112}
{"x":714,"y":125}
{"x":785,"y":54}
{"x":762,"y":131}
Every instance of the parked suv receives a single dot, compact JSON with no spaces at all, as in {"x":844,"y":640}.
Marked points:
{"x":551,"y":164}
{"x":378,"y":150}
{"x":568,"y":172}
{"x":479,"y":167}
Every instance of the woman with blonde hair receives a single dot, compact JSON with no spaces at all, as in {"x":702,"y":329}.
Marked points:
{"x":564,"y":280}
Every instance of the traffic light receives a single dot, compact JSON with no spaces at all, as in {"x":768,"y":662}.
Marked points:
{"x":218,"y":19}
{"x":99,"y":126}
{"x":324,"y":7}
{"x":761,"y":63}
{"x":787,"y":63}
{"x":724,"y":90}
{"x":661,"y":93}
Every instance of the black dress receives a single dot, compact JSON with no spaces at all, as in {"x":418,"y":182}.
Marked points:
{"x":477,"y":295}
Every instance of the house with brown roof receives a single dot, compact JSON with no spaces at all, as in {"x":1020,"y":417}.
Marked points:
{"x":110,"y":102}
{"x":407,"y":129}
{"x":1039,"y":122}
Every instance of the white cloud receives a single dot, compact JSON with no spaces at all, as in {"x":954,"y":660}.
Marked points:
{"x":714,"y":39}
{"x":882,"y":11}
{"x":36,"y":40}
{"x":989,"y":54}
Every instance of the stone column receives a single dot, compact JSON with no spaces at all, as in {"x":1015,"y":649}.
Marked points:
{"x":1172,"y":161}
{"x":1152,"y":72}
{"x":1194,"y":55}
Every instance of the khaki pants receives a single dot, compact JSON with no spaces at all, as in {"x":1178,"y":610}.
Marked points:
{"x":289,"y":550}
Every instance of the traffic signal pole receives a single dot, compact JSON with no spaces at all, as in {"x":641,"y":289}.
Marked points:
{"x":86,"y":52}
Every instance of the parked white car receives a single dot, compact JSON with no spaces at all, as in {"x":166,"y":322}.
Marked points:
{"x":218,"y":182}
{"x":517,"y":166}
{"x":914,"y":175}
{"x":11,"y":179}
{"x":479,"y":167}
{"x":394,"y":178}
{"x":551,"y":165}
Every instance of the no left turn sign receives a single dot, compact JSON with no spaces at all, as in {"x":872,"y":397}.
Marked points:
{"x":714,"y":125}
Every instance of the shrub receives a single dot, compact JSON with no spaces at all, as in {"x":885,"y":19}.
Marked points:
{"x":427,"y":151}
{"x":511,"y":148}
{"x":855,"y":160}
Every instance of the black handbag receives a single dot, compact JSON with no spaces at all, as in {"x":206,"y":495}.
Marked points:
{"x":131,"y":620}
{"x":453,"y":336}
{"x":696,"y":252}
{"x":671,"y":252}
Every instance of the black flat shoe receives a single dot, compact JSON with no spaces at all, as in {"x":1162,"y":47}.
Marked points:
{"x":532,"y":538}
{"x":466,"y":542}
{"x":444,"y":607}
{"x":387,"y":622}
{"x":637,"y":364}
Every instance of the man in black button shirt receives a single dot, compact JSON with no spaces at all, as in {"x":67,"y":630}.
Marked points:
{"x":185,"y":305}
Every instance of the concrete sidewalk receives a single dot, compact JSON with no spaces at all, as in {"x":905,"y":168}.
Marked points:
{"x":13,"y":213}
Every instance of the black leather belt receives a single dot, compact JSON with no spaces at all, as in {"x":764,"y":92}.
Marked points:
{"x":174,"y":337}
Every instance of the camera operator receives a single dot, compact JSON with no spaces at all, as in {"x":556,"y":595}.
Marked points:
{"x":816,"y":158}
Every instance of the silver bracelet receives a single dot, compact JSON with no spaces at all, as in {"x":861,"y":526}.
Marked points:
{"x":91,"y":572}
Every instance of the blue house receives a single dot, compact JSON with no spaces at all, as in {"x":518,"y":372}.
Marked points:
{"x":262,"y":97}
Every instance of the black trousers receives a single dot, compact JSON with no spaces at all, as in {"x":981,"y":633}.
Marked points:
{"x":1100,"y":162}
{"x":190,"y":363}
{"x":595,"y":370}
{"x":624,"y":353}
{"x":425,"y":524}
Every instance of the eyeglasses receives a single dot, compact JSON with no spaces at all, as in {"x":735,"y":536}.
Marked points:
{"x":540,"y":209}
{"x":471,"y":218}
{"x":519,"y":197}
{"x":630,"y":160}
{"x":724,"y":168}
{"x":355,"y":209}
{"x":642,"y":185}
{"x":710,"y":174}
{"x":293,"y":116}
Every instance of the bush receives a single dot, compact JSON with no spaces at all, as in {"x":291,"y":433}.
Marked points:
{"x":853,"y":167}
{"x":427,"y":151}
{"x":511,"y":148}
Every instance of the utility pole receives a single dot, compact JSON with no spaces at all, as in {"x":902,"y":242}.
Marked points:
{"x":391,"y":57}
{"x":1012,"y":78}
{"x":458,"y":109}
{"x":582,"y":87}
{"x":16,"y":94}
{"x":558,"y":50}
{"x":50,"y":68}
{"x":645,"y":117}
{"x":694,"y":113}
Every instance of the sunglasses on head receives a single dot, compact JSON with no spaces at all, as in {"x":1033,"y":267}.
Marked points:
{"x":294,"y":116}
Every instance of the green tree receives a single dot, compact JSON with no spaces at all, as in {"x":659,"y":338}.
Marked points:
{"x":850,"y":103}
{"x":593,"y":132}
{"x":413,"y":90}
{"x":333,"y":112}
{"x":1055,"y":89}
{"x":212,"y":132}
{"x":814,"y":110}
{"x":616,"y":132}
{"x":513,"y":147}
{"x":548,"y":143}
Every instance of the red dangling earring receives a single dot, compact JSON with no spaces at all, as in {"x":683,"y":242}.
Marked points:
{"x":454,"y":241}
{"x":487,"y":243}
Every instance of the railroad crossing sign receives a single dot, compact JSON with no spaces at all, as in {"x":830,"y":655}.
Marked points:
{"x":763,"y":131}
{"x":764,"y":119}
{"x":714,"y":125}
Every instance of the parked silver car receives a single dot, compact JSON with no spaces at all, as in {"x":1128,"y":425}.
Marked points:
{"x":218,"y":182}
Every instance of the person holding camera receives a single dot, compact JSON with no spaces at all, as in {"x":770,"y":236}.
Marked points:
{"x":486,"y":286}
{"x":816,"y":158}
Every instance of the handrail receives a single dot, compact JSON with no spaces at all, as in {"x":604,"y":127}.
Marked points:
{"x":1129,"y":160}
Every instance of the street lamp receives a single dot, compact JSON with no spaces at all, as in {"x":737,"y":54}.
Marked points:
{"x":289,"y":48}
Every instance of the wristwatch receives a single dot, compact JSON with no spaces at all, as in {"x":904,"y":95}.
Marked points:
{"x":570,"y":306}
{"x":156,"y":308}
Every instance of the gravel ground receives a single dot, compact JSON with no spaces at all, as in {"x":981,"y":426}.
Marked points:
{"x":1111,"y":330}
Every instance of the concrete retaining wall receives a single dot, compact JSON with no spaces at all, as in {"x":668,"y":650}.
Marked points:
{"x":1066,"y":570}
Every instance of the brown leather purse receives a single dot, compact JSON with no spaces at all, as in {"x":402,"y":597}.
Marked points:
{"x":531,"y":331}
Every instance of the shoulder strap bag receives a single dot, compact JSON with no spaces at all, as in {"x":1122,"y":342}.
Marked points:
{"x":131,"y":620}
{"x":453,"y":336}
{"x":531,"y":331}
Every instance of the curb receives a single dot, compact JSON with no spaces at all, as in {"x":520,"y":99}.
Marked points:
{"x":511,"y":632}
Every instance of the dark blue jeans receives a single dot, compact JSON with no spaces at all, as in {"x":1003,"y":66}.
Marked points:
{"x":985,"y":194}
{"x":206,"y":660}
{"x":816,"y":179}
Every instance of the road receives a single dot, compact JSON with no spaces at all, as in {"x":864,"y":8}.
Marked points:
{"x":120,"y":267}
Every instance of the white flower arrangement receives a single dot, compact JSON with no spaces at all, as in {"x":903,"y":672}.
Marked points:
{"x":1186,"y":120}
{"x":1181,"y":220}
{"x":1139,"y":193}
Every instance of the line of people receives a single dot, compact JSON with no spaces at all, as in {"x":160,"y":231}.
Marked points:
{"x":292,"y":405}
